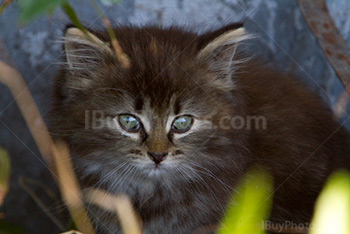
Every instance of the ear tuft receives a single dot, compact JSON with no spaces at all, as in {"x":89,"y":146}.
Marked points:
{"x":219,"y":51}
{"x":230,"y":38}
{"x":84,"y":50}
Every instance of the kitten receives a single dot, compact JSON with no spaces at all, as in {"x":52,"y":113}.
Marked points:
{"x":177,"y":129}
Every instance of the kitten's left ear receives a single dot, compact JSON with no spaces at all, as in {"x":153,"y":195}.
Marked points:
{"x":218,"y":49}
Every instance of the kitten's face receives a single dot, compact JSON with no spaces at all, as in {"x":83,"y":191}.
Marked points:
{"x":165,"y":119}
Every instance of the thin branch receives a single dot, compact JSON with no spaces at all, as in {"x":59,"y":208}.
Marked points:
{"x":4,"y":4}
{"x":69,"y":188}
{"x":54,"y":156}
{"x":332,"y":43}
{"x":5,"y":167}
{"x":127,"y":215}
{"x":69,"y":11}
{"x":14,"y":81}
{"x":122,"y":57}
{"x":119,"y":204}
{"x":72,"y":232}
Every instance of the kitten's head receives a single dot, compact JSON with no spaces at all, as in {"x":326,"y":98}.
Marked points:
{"x":167,"y":117}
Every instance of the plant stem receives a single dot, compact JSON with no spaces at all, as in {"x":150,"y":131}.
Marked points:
{"x":122,"y":57}
{"x":69,"y":11}
{"x":53,"y":155}
{"x":121,"y":205}
{"x":69,"y":188}
{"x":332,"y":43}
{"x":13,"y":79}
{"x":4,"y":5}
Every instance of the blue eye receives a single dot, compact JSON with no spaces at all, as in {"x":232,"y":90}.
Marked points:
{"x":182,"y":124}
{"x":129,"y":123}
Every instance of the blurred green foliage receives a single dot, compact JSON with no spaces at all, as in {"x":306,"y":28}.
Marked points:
{"x":249,"y":206}
{"x":30,"y":9}
{"x":33,"y":8}
{"x":5,"y":166}
{"x":4,"y":173}
{"x":332,"y":211}
{"x":251,"y":203}
{"x":8,"y":228}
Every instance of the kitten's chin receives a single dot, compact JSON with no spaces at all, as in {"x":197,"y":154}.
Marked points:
{"x":161,"y":170}
{"x":156,"y":171}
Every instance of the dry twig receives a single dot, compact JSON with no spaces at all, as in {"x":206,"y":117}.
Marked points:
{"x":4,"y":174}
{"x":53,"y":155}
{"x":14,"y":81}
{"x":122,"y":57}
{"x":4,"y":4}
{"x":72,"y":232}
{"x":121,"y":205}
{"x":69,"y":188}
{"x":332,"y":43}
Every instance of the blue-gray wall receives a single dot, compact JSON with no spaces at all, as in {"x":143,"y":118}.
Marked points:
{"x":284,"y":40}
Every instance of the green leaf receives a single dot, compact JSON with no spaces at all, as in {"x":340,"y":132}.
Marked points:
{"x":66,"y":7}
{"x":332,"y":211}
{"x":33,"y":8}
{"x":9,"y":228}
{"x":250,"y":206}
{"x":4,"y":174}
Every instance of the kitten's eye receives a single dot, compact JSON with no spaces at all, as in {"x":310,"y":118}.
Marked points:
{"x":129,"y":123}
{"x":182,"y":124}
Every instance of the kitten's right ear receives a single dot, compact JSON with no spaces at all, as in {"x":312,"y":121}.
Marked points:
{"x":84,"y":50}
{"x":218,"y":49}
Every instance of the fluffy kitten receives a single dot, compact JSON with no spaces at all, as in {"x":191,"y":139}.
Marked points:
{"x":177,"y":129}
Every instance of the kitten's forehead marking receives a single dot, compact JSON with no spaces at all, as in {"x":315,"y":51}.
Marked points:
{"x":174,"y":109}
{"x":146,"y":114}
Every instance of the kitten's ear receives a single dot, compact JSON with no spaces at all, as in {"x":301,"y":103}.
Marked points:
{"x":218,"y":49}
{"x":84,"y":50}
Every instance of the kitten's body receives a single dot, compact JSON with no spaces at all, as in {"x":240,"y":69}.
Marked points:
{"x":173,"y":72}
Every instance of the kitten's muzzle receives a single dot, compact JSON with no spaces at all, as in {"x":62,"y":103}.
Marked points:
{"x":157,"y":157}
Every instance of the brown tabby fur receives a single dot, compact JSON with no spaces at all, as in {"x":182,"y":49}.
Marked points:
{"x":300,"y":146}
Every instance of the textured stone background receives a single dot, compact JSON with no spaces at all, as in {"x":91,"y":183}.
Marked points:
{"x":284,"y":40}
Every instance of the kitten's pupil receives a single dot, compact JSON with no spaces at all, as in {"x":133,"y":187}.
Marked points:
{"x":182,"y":123}
{"x":129,"y":122}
